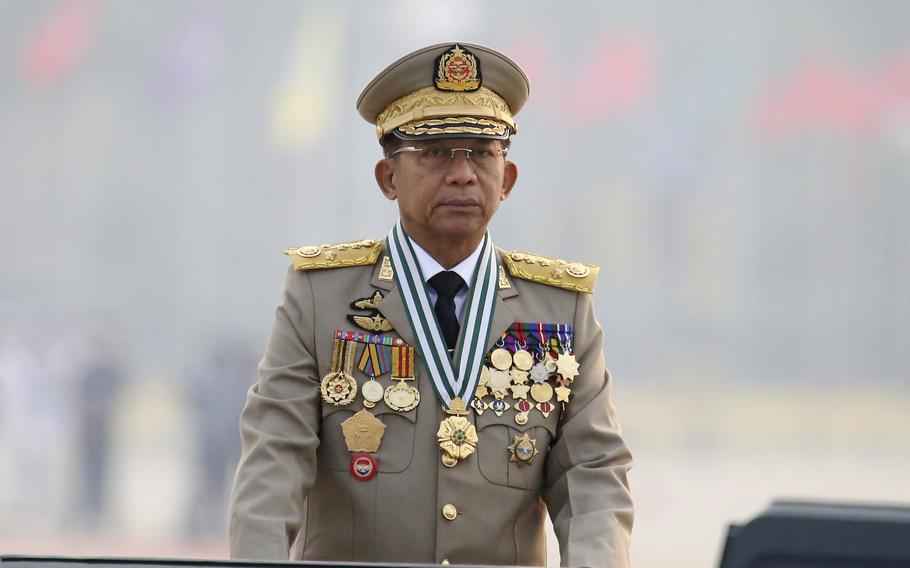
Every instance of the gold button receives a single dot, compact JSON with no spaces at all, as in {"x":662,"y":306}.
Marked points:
{"x":450,"y":512}
{"x":445,"y":561}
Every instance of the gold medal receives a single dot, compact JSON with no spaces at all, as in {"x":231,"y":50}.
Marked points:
{"x":567,"y":366}
{"x":523,"y":450}
{"x":521,"y":418}
{"x":362,"y":432}
{"x":372,"y":392}
{"x":500,"y":379}
{"x":402,"y":397}
{"x":501,"y":359}
{"x":562,"y":393}
{"x":523,"y":360}
{"x":457,"y":439}
{"x":541,"y":392}
{"x":338,"y":389}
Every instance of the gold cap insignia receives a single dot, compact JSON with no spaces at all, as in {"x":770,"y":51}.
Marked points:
{"x":457,"y":70}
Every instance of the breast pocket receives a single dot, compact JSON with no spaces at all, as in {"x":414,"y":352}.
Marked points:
{"x":396,"y":449}
{"x":511,"y":454}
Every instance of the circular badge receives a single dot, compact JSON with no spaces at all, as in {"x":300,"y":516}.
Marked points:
{"x":363,"y":466}
{"x":577,"y":270}
{"x":501,"y":359}
{"x":523,"y":360}
{"x":521,"y":418}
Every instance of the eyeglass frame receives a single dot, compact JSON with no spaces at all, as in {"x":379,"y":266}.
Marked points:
{"x":467,"y":151}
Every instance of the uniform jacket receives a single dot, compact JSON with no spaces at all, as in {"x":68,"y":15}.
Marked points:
{"x":293,"y":481}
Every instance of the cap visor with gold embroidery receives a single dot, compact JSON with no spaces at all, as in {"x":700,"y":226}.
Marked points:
{"x":446,"y":90}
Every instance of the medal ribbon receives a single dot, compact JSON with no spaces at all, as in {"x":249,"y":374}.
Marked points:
{"x":337,"y":355}
{"x":403,"y":362}
{"x":374,"y":361}
{"x":461,"y":380}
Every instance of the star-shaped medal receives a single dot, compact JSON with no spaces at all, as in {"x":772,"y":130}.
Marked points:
{"x":567,"y":366}
{"x":520,"y":391}
{"x":562,"y":393}
{"x":539,"y":373}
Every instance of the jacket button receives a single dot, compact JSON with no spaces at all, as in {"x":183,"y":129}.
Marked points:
{"x":450,"y":512}
{"x":445,"y":561}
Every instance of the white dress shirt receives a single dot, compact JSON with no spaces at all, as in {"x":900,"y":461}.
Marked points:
{"x":430,"y":268}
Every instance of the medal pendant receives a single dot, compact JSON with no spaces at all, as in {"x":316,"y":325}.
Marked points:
{"x":521,"y":418}
{"x":562,"y":393}
{"x":372,"y":392}
{"x":402,"y":397}
{"x":567,"y":366}
{"x":523,"y":360}
{"x":500,"y":379}
{"x":539,"y":373}
{"x":501,"y":359}
{"x":545,"y":408}
{"x":498,"y":406}
{"x":338,"y":389}
{"x":363,"y":466}
{"x":550,"y":365}
{"x":541,"y":392}
{"x":457,"y":439}
{"x":523,"y":450}
{"x":478,"y":405}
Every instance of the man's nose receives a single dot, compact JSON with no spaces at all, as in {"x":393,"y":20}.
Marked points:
{"x":461,"y":169}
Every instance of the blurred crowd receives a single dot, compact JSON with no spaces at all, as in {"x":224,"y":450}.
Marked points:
{"x":76,"y":419}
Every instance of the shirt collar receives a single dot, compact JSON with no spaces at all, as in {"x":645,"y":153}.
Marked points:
{"x":430,"y":268}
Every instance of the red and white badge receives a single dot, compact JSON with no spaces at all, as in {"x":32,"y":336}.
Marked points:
{"x":363,"y":466}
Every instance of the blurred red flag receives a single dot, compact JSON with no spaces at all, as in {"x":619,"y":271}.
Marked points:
{"x":58,"y":43}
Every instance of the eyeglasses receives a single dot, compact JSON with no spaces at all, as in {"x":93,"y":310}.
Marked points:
{"x":439,"y":157}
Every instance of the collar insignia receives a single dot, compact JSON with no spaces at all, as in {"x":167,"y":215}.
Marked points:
{"x":457,"y":70}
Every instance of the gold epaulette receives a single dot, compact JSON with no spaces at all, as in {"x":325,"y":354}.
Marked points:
{"x":551,"y":271}
{"x":354,"y":253}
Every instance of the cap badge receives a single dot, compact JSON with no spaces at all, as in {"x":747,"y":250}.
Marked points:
{"x":457,"y":70}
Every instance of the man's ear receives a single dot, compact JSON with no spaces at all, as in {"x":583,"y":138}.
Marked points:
{"x":385,"y":178}
{"x":510,"y":176}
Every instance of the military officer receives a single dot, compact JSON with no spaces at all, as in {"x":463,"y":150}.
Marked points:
{"x":427,"y":397}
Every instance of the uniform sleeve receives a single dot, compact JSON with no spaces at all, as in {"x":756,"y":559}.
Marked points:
{"x":279,"y":430}
{"x":586,"y":487}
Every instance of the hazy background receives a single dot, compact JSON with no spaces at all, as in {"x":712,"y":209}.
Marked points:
{"x":739,"y":170}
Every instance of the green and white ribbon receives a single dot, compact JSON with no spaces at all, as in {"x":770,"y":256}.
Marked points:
{"x":461,"y":380}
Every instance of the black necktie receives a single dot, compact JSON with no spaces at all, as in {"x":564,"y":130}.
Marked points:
{"x":447,"y":284}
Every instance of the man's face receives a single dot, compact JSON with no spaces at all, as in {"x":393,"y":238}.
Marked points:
{"x":447,"y":198}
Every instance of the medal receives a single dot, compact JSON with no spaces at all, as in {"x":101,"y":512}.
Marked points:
{"x":372,"y":392}
{"x":567,"y":366}
{"x":545,"y":408}
{"x":362,"y":432}
{"x":539,"y":373}
{"x":339,"y":388}
{"x":541,"y":392}
{"x":500,"y":379}
{"x":562,"y":393}
{"x":478,"y":405}
{"x":523,"y":360}
{"x":457,"y":439}
{"x":523,"y":450}
{"x":501,"y":359}
{"x":498,"y":406}
{"x":523,"y":407}
{"x":401,"y":396}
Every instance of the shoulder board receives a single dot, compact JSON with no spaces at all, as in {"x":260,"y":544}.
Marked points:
{"x":353,"y":253}
{"x":551,"y":271}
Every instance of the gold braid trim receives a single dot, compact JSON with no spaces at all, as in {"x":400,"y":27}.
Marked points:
{"x":353,"y":253}
{"x":427,"y":103}
{"x":551,"y":271}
